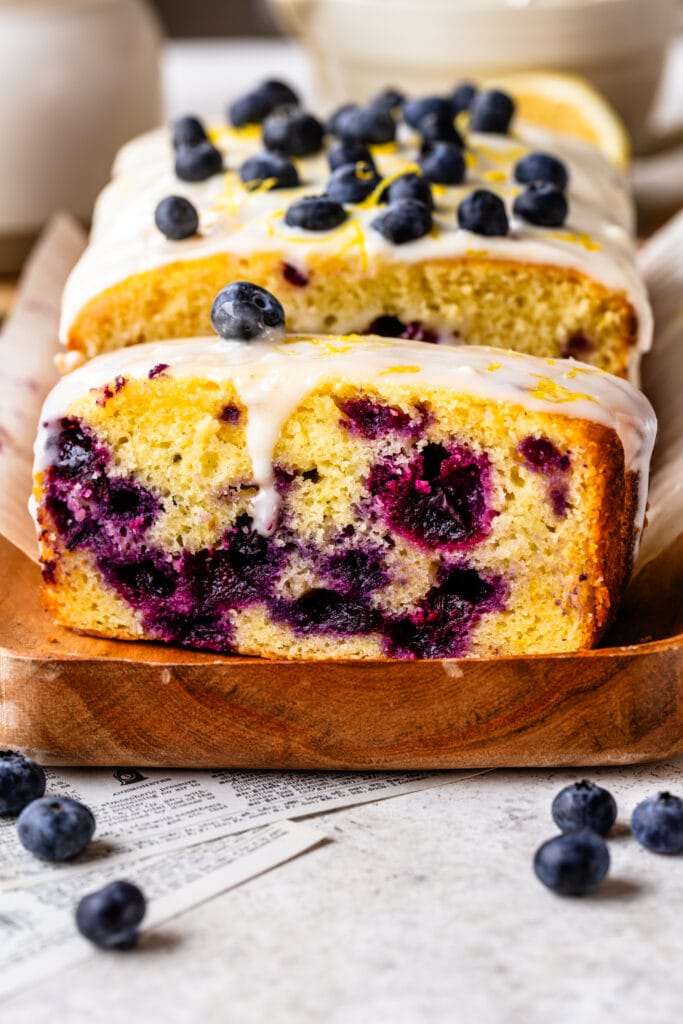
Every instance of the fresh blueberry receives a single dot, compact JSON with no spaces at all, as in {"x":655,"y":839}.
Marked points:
{"x":110,"y":917}
{"x":253,"y":107}
{"x":243,"y":312}
{"x":197,"y":163}
{"x":332,"y":122}
{"x":21,"y":781}
{"x":439,"y":127}
{"x":404,"y":221}
{"x":293,"y":133}
{"x":414,"y":110}
{"x":542,"y":204}
{"x":657,"y":823}
{"x":352,"y":183}
{"x":315,"y":213}
{"x":367,"y":126}
{"x":492,"y":111}
{"x":483,"y":213}
{"x":443,"y":163}
{"x":342,"y":152}
{"x":188,"y":131}
{"x":410,"y":186}
{"x":584,"y":805}
{"x":541,"y":167}
{"x":55,"y":828}
{"x":176,"y":218}
{"x":462,"y":96}
{"x":389,"y":100}
{"x":574,"y":863}
{"x":276,"y":170}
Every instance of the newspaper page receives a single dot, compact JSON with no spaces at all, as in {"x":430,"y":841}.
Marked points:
{"x":37,"y":931}
{"x":147,"y":812}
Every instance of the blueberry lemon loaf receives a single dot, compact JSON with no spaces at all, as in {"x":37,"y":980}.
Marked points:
{"x":442,"y":219}
{"x":340,"y":496}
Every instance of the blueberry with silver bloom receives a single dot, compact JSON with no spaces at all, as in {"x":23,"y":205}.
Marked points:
{"x":414,"y":110}
{"x":443,"y":163}
{"x":254,"y":106}
{"x":111,"y":916}
{"x":541,"y":204}
{"x":176,"y":218}
{"x":462,"y":96}
{"x":491,"y":111}
{"x":342,"y":152}
{"x":244,"y":312}
{"x":574,"y":863}
{"x":197,"y":163}
{"x":188,"y":131}
{"x":352,"y":183}
{"x":539,"y":166}
{"x":55,"y":828}
{"x":483,"y":213}
{"x":369,"y":126}
{"x":315,"y":213}
{"x":293,"y":133}
{"x":584,"y":805}
{"x":270,"y":171}
{"x":657,"y":823}
{"x":439,"y":127}
{"x":410,"y":186}
{"x":404,"y":221}
{"x":389,"y":100}
{"x":21,"y":781}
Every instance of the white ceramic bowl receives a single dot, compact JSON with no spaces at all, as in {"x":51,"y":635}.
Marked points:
{"x":358,"y":46}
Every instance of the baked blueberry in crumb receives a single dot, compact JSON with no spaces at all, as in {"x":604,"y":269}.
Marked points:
{"x":542,"y":456}
{"x":110,"y":918}
{"x":542,"y":204}
{"x":315,"y":213}
{"x":404,"y":220}
{"x":21,"y":781}
{"x":483,"y":213}
{"x":197,"y":163}
{"x":539,"y":166}
{"x":293,"y":275}
{"x":491,"y":111}
{"x":176,"y":218}
{"x":293,"y":133}
{"x":371,"y":419}
{"x":269,"y":171}
{"x":574,"y":863}
{"x":188,"y":131}
{"x":577,"y":346}
{"x":244,"y":312}
{"x":443,"y":163}
{"x":230,"y":414}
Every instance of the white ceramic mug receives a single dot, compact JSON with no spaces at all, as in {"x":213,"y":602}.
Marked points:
{"x":359,"y":46}
{"x":77,"y":79}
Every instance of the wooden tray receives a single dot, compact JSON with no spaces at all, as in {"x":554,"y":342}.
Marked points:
{"x":76,"y":700}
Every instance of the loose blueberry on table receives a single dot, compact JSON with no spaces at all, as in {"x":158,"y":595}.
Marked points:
{"x":55,"y":828}
{"x":110,"y":917}
{"x":21,"y":781}
{"x":657,"y":823}
{"x":584,"y":805}
{"x":574,"y":863}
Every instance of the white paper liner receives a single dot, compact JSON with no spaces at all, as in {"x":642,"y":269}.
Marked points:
{"x":28,"y":345}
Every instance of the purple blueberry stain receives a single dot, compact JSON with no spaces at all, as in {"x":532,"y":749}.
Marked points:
{"x":577,"y":346}
{"x":542,"y":456}
{"x":108,"y":391}
{"x":357,"y":571}
{"x":294,"y":276}
{"x":230,"y":413}
{"x":388,"y":326}
{"x":157,"y":371}
{"x":370,"y":419}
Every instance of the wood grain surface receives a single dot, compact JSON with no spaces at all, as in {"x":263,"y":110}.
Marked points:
{"x":76,"y":700}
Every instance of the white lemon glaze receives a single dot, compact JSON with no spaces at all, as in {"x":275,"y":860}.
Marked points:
{"x":273,"y":378}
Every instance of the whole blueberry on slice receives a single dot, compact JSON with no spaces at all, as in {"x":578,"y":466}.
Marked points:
{"x":332,"y":122}
{"x":197,"y":163}
{"x":176,"y":218}
{"x":462,"y":96}
{"x":389,"y":100}
{"x":492,"y":111}
{"x":292,"y":133}
{"x":483,"y":213}
{"x":371,"y":125}
{"x":439,"y":127}
{"x":404,"y":221}
{"x":443,"y":163}
{"x":414,"y":110}
{"x":315,"y":213}
{"x":269,"y":170}
{"x":344,"y":152}
{"x":110,"y":917}
{"x":657,"y":823}
{"x":352,"y":183}
{"x":573,"y":863}
{"x":541,"y":167}
{"x":55,"y":828}
{"x":21,"y":781}
{"x":584,"y":805}
{"x":244,"y":312}
{"x":188,"y":131}
{"x":410,"y":186}
{"x":541,"y":204}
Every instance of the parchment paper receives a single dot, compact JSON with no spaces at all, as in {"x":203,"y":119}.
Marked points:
{"x":28,"y":345}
